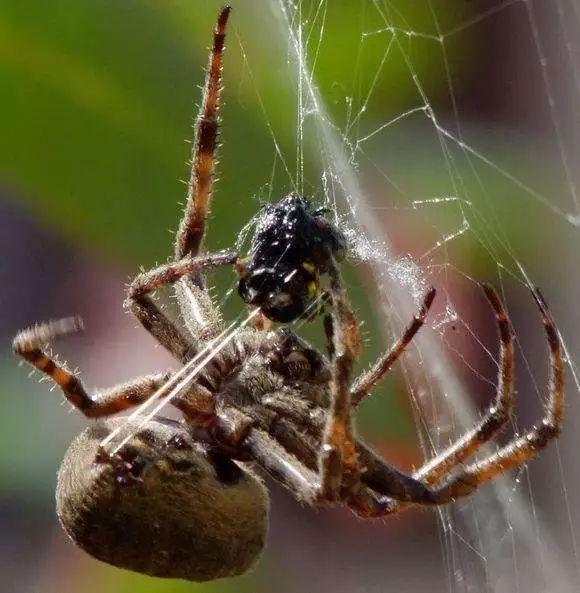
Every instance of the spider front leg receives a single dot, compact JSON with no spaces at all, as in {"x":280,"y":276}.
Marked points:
{"x":199,"y":189}
{"x":31,"y":344}
{"x":190,"y":295}
{"x":148,"y":313}
{"x":337,"y":462}
{"x":169,"y":273}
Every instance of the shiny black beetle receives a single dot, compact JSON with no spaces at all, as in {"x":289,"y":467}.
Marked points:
{"x":292,"y":246}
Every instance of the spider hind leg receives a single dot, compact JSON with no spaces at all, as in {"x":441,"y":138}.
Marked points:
{"x":439,"y":486}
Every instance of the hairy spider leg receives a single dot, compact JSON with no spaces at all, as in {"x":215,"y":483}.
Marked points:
{"x":337,"y":459}
{"x":170,"y":273}
{"x":200,"y":316}
{"x":31,"y":345}
{"x":517,"y":451}
{"x":163,"y":329}
{"x":499,"y":410}
{"x":199,"y":189}
{"x":282,"y":466}
{"x":497,"y":414}
{"x":363,"y":385}
{"x":191,"y":296}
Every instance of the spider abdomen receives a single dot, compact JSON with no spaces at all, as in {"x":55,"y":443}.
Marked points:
{"x":172,"y":509}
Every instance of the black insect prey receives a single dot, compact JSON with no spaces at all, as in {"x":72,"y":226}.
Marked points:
{"x":292,"y":246}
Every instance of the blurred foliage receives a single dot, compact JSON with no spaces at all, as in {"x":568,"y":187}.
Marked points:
{"x":98,"y":98}
{"x":97,"y":102}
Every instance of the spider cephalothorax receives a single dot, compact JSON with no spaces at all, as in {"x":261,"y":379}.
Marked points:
{"x":291,"y":248}
{"x":266,"y":397}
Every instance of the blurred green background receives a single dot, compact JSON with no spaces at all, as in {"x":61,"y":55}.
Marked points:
{"x":97,"y":104}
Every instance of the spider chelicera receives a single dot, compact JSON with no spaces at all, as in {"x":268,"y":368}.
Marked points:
{"x":269,"y":398}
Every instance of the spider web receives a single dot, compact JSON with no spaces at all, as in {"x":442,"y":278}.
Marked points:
{"x":519,"y":533}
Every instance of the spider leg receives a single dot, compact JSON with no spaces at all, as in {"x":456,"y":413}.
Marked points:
{"x":169,"y":273}
{"x":153,"y":319}
{"x":368,"y":504}
{"x":338,"y":464}
{"x":282,"y":466}
{"x":303,"y":482}
{"x":379,"y":475}
{"x":294,"y":451}
{"x":363,"y":385}
{"x":31,"y":344}
{"x":287,"y":457}
{"x":194,"y":303}
{"x":498,"y":412}
{"x":192,"y":227}
{"x":199,"y":315}
{"x":526,"y":447}
{"x":150,"y":316}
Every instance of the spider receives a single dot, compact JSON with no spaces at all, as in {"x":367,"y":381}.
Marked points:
{"x":267,"y":397}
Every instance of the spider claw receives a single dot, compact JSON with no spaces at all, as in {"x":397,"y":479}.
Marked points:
{"x":427,"y":302}
{"x":540,"y":301}
{"x":494,"y":299}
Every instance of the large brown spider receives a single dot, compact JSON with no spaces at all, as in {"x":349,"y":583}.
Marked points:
{"x":269,"y":398}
